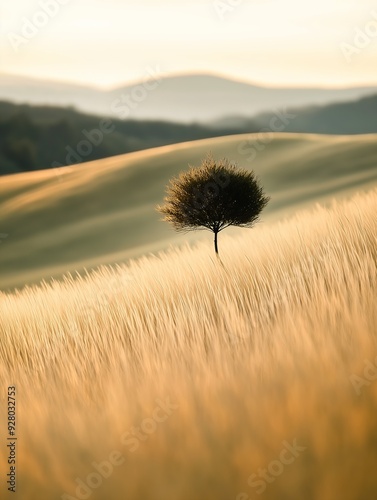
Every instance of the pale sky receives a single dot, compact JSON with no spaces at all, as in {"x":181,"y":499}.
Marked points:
{"x":273,"y":42}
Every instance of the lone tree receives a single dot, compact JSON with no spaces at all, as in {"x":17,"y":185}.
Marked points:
{"x":213,"y":196}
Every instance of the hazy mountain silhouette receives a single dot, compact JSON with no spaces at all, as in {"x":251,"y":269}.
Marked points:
{"x":183,"y":98}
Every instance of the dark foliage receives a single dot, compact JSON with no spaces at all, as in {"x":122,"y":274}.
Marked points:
{"x":22,"y":152}
{"x":38,"y":137}
{"x":214,"y":196}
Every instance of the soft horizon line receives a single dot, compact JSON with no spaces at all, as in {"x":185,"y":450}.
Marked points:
{"x":167,"y":75}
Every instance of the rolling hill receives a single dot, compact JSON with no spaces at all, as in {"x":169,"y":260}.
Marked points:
{"x":103,"y":212}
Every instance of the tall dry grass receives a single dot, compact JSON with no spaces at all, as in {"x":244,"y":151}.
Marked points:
{"x":252,"y":352}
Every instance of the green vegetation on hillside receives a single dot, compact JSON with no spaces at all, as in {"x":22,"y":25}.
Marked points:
{"x":41,"y":137}
{"x":358,"y":117}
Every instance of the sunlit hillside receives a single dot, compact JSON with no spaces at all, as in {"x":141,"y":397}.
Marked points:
{"x":103,"y":212}
{"x":186,"y":377}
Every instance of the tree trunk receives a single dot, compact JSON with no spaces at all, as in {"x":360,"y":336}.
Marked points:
{"x":216,"y":249}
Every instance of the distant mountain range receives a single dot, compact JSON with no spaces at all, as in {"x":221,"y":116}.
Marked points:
{"x":187,"y":98}
{"x":39,"y":137}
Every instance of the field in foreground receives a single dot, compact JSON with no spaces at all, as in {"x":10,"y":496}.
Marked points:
{"x":185,"y":378}
{"x":103,"y":212}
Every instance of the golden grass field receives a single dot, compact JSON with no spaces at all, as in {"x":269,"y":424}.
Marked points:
{"x":102,"y":212}
{"x":253,"y":353}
